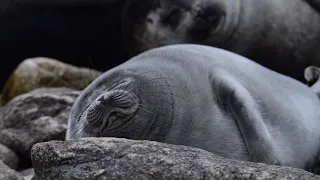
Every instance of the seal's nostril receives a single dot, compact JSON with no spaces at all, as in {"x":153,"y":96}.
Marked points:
{"x":101,"y":100}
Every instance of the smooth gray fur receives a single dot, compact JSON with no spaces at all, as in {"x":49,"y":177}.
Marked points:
{"x":207,"y":98}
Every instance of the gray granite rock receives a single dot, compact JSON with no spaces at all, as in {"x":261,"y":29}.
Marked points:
{"x":8,"y":157}
{"x":38,"y":116}
{"x":113,"y":158}
{"x":8,"y":174}
{"x":40,"y":72}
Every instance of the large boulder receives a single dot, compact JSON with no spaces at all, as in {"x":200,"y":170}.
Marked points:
{"x":8,"y":174}
{"x":112,"y":158}
{"x":85,"y":33}
{"x":8,"y":157}
{"x":39,"y":72}
{"x":38,"y":116}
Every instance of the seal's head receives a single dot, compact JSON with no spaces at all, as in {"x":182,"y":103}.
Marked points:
{"x":154,"y":23}
{"x":122,"y":103}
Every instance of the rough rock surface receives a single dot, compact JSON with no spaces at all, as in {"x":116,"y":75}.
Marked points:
{"x":8,"y":174}
{"x":38,"y":116}
{"x":113,"y":158}
{"x":39,"y":72}
{"x":8,"y":157}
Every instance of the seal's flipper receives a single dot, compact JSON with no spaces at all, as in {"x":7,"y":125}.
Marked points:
{"x":246,"y":113}
{"x":315,"y":4}
{"x":312,"y":76}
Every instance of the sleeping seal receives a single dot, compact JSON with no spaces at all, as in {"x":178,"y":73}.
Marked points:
{"x":203,"y":97}
{"x":283,"y":35}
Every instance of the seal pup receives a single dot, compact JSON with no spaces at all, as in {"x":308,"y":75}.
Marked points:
{"x":279,"y":34}
{"x":203,"y":97}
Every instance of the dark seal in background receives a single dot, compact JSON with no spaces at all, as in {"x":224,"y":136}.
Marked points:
{"x":84,"y":33}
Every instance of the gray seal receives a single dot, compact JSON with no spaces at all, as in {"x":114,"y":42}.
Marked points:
{"x":283,"y":35}
{"x":203,"y":97}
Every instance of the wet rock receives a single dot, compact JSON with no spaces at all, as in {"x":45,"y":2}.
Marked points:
{"x":113,"y":158}
{"x":39,"y":72}
{"x":38,"y":116}
{"x":8,"y":157}
{"x":8,"y":174}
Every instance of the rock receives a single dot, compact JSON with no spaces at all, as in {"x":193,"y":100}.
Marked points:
{"x":8,"y":174}
{"x":39,"y":72}
{"x":84,"y":33}
{"x":28,"y":174}
{"x":113,"y":158}
{"x":38,"y":116}
{"x":8,"y":157}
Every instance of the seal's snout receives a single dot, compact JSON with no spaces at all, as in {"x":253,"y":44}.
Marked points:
{"x":125,"y":102}
{"x":117,"y":101}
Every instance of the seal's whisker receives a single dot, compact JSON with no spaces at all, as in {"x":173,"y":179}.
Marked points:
{"x":89,"y":59}
{"x":144,"y":82}
{"x":76,"y":124}
{"x":77,"y":129}
{"x":140,"y":106}
{"x":125,"y":89}
{"x":85,"y":126}
{"x":79,"y":119}
{"x":80,"y":115}
{"x":67,"y":84}
{"x":166,"y":94}
{"x":163,"y":85}
{"x":168,"y":85}
{"x":162,"y":99}
{"x":150,"y":81}
{"x":94,"y":122}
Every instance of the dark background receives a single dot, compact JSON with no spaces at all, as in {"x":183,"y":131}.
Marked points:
{"x":86,"y":34}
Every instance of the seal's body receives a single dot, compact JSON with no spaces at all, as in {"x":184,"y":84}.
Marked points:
{"x":207,"y":98}
{"x":279,"y":34}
